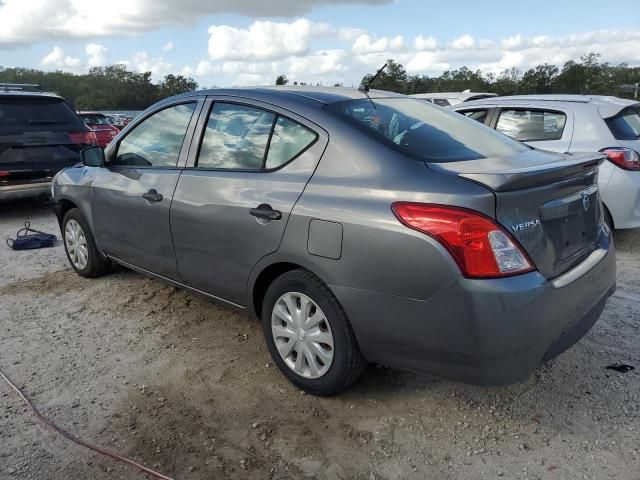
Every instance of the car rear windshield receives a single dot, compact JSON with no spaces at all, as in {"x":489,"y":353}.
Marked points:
{"x":19,"y":115}
{"x":424,"y":131}
{"x":94,"y":119}
{"x":626,"y":125}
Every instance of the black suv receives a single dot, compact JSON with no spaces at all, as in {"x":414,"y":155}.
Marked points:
{"x":40,"y":134}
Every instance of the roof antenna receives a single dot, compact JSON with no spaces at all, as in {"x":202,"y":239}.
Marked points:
{"x":364,"y":87}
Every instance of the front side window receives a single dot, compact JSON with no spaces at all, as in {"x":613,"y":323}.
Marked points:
{"x":235,"y":137}
{"x":157,"y":140}
{"x":532,"y":125}
{"x":424,"y":132}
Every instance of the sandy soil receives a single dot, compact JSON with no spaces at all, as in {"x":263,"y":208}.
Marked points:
{"x":187,"y":386}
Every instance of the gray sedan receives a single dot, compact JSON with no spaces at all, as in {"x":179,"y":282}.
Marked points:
{"x":359,"y":226}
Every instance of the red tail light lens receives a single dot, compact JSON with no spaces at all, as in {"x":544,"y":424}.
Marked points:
{"x":4,"y":173}
{"x":480,"y":247}
{"x":625,"y":158}
{"x":84,"y":138}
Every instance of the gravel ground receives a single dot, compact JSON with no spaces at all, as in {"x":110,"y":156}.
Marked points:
{"x":187,"y":386}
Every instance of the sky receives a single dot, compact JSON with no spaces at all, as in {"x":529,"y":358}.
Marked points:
{"x":251,"y":42}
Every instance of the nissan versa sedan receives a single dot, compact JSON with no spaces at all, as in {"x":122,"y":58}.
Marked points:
{"x":359,"y":226}
{"x":578,"y":123}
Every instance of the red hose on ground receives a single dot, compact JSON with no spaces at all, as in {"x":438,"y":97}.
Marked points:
{"x":79,"y":441}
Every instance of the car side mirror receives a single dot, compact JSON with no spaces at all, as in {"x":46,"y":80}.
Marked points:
{"x":92,"y":156}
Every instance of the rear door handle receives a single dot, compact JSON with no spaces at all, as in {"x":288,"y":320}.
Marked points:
{"x":152,"y":196}
{"x":265,"y":212}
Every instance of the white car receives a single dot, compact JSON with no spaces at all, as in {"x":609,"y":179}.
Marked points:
{"x":572,"y":124}
{"x":449,"y":99}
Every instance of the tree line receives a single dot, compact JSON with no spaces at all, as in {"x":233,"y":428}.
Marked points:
{"x":587,"y":76}
{"x":103,"y":88}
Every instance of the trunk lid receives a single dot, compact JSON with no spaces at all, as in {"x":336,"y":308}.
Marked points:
{"x":549,"y":202}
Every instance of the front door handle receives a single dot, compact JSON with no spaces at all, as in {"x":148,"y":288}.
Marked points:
{"x":265,"y":212}
{"x":152,"y":196}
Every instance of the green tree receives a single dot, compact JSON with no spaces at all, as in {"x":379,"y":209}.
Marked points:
{"x":282,"y":79}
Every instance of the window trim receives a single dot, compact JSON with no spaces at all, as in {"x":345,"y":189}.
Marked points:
{"x":531,"y":109}
{"x":186,"y":141}
{"x":206,"y":113}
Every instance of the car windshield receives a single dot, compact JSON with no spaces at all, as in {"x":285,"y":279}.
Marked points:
{"x":37,"y":114}
{"x":424,"y":131}
{"x":93,"y":119}
{"x":626,"y":125}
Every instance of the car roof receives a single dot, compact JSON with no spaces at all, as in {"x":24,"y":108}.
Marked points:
{"x":91,"y":113}
{"x":302,"y":94}
{"x":608,"y":105}
{"x":24,"y":94}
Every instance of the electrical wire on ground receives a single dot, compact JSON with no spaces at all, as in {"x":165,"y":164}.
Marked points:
{"x":79,"y":441}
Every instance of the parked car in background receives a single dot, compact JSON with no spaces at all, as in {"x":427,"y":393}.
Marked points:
{"x":99,"y":123}
{"x":572,"y":124}
{"x":118,"y":120}
{"x":40,"y":134}
{"x":358,"y":226}
{"x":446,"y":99}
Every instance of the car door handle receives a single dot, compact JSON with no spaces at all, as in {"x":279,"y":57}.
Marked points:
{"x":152,"y":196}
{"x":265,"y":212}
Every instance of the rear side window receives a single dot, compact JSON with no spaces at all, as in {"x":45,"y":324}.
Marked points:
{"x":477,"y":115}
{"x":289,"y":139}
{"x":157,"y":140}
{"x":235,"y":137}
{"x":240,"y":137}
{"x":532,"y":125}
{"x":625,"y":125}
{"x":18,"y":115}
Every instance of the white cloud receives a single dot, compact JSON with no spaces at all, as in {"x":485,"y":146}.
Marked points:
{"x":318,"y":64}
{"x":96,"y":55}
{"x":30,"y":21}
{"x":167,"y":47}
{"x":261,"y":41}
{"x":141,"y":62}
{"x":421,"y":43}
{"x":56,"y":58}
{"x":464,"y":42}
{"x":365,"y":44}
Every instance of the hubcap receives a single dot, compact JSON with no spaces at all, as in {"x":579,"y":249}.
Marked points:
{"x":302,"y":335}
{"x":76,"y":244}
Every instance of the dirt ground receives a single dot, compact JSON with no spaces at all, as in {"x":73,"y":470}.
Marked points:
{"x":187,"y":386}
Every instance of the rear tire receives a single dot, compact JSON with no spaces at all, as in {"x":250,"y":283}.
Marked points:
{"x":80,"y":246}
{"x":324,"y":357}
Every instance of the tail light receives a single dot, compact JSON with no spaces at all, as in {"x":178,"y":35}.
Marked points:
{"x":84,"y":138}
{"x":4,"y":173}
{"x":480,"y":247}
{"x":625,"y":158}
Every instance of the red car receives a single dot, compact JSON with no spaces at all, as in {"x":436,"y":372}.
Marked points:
{"x":99,"y":123}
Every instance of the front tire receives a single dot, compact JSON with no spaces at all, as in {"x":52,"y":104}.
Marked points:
{"x":309,"y":335}
{"x":80,"y":246}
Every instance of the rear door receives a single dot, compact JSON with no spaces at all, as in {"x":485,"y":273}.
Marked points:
{"x":543,"y":128}
{"x":132,"y":194}
{"x":249,"y":165}
{"x":39,"y":136}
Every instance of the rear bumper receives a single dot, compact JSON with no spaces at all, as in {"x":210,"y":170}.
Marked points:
{"x":25,"y":190}
{"x":485,"y":332}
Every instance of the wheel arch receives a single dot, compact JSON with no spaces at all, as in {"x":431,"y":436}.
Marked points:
{"x":266,"y":272}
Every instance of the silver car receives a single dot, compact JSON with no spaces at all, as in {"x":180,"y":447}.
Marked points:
{"x":572,"y":124}
{"x":359,"y":226}
{"x":446,"y":99}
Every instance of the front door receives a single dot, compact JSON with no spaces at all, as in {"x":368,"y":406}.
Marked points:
{"x":231,"y":205}
{"x":132,"y":194}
